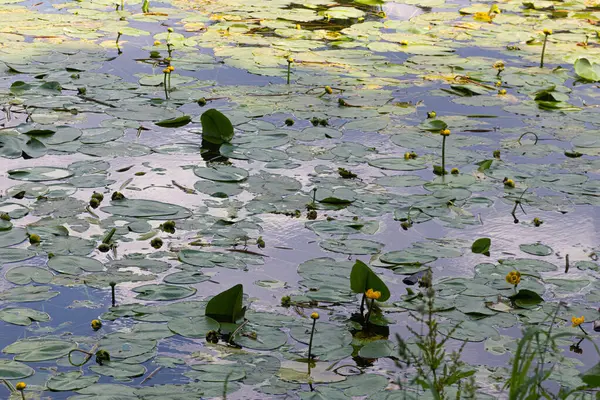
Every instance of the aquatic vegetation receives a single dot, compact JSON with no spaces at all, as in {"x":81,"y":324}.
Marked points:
{"x":547,"y":32}
{"x":119,"y":177}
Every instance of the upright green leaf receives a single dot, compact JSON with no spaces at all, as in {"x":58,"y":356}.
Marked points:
{"x":362,"y":278}
{"x":216,"y":127}
{"x":227,"y":306}
{"x":482,"y":246}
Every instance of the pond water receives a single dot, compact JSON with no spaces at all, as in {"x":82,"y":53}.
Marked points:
{"x":343,"y":163}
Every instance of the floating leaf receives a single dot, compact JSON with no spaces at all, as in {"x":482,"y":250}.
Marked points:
{"x":174,"y":122}
{"x":525,"y":298}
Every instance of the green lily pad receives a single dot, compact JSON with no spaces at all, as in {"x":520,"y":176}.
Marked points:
{"x":193,"y":327}
{"x":352,"y":246}
{"x":14,"y":370}
{"x":536,"y":249}
{"x":39,"y":174}
{"x":68,"y":381}
{"x":163,"y":292}
{"x":146,"y":209}
{"x":26,"y":274}
{"x":22,"y":316}
{"x":39,"y":349}
{"x":222,"y":173}
{"x":74,"y":265}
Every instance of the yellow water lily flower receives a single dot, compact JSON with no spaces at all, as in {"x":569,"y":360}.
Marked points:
{"x":509,"y":183}
{"x":157,"y":43}
{"x":547,"y":31}
{"x":502,"y":92}
{"x":21,"y":386}
{"x":482,"y":16}
{"x":577,"y":321}
{"x":328,"y":90}
{"x":290,"y":60}
{"x":171,"y":68}
{"x":404,"y":42}
{"x":454,"y":171}
{"x":513,"y":277}
{"x":96,"y":324}
{"x":167,"y":70}
{"x":373,"y":294}
{"x":314,"y":315}
{"x":445,"y":132}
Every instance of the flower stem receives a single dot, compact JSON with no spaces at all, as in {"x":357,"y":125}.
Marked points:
{"x":165,"y":86}
{"x":289,"y":72}
{"x":443,"y":155}
{"x":112,"y":287}
{"x":543,"y":51}
{"x":22,"y":394}
{"x":368,"y":317}
{"x":362,"y":303}
{"x":582,"y":330}
{"x":122,"y":5}
{"x":312,"y":334}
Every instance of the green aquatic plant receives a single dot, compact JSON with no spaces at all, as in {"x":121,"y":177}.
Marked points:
{"x":157,"y":243}
{"x":314,"y":316}
{"x":290,"y":61}
{"x":20,"y":387}
{"x":166,"y":72}
{"x":34,"y":239}
{"x":547,"y":32}
{"x":442,"y":170}
{"x":146,"y":6}
{"x":346,"y":173}
{"x":482,"y":246}
{"x":372,"y":295}
{"x":112,"y":293}
{"x":363,"y":279}
{"x":227,"y":306}
{"x":435,"y":370}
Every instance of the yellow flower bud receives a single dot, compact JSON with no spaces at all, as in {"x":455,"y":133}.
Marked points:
{"x":171,"y":68}
{"x":166,"y":71}
{"x":502,"y":92}
{"x":157,"y":43}
{"x":404,"y":43}
{"x":373,"y":294}
{"x":21,"y":386}
{"x":407,"y":156}
{"x":454,"y":171}
{"x":290,"y":60}
{"x":509,"y":183}
{"x":547,"y":31}
{"x":328,"y":90}
{"x":445,"y":132}
{"x":314,"y":315}
{"x":169,"y":30}
{"x":96,"y":324}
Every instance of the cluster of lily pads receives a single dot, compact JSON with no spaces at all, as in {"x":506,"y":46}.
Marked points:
{"x":157,"y":155}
